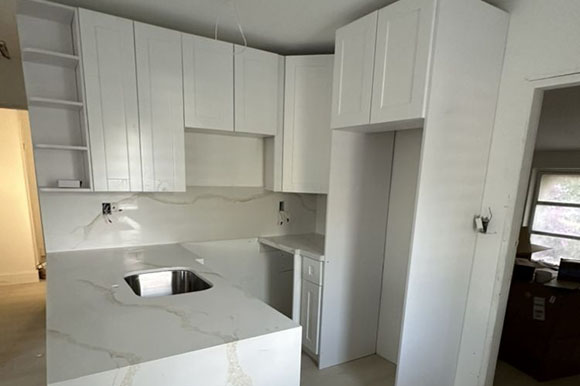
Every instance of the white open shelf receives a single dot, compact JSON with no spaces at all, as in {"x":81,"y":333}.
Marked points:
{"x":60,"y":147}
{"x":46,"y":10}
{"x":58,"y":103}
{"x":37,"y":55}
{"x":47,"y":189}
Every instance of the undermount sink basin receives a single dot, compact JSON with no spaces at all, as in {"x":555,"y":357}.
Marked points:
{"x":166,"y":282}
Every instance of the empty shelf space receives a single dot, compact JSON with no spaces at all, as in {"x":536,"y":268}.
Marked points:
{"x":53,"y":58}
{"x":46,"y":10}
{"x":60,"y":147}
{"x":49,"y":189}
{"x":58,"y":103}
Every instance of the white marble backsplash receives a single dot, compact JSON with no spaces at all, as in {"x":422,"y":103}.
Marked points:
{"x":73,"y":221}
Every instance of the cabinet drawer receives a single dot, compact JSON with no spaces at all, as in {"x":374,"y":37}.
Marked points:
{"x":312,"y":270}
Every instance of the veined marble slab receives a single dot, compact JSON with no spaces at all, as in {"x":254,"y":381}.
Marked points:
{"x":308,"y":244}
{"x":100,"y":333}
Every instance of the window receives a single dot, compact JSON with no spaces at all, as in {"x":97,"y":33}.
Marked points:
{"x":556,"y":216}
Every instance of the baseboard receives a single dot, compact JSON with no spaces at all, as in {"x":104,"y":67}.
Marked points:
{"x":19,"y":277}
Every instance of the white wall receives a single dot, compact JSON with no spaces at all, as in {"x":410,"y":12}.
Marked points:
{"x":74,"y":221}
{"x":321,"y":202}
{"x":543,"y":40}
{"x":407,"y":153}
{"x":17,"y":243}
{"x":12,"y":92}
{"x":559,"y":120}
{"x":224,"y":160}
{"x":265,"y":273}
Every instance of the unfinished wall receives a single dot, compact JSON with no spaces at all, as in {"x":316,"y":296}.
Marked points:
{"x":17,"y":243}
{"x":542,"y":41}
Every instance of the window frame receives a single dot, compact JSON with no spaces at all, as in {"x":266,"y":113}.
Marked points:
{"x":535,"y":202}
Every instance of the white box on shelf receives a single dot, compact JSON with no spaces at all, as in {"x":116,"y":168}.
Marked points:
{"x":69,"y":184}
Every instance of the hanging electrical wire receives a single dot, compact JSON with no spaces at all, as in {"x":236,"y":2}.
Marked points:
{"x":236,"y":12}
{"x":4,"y":49}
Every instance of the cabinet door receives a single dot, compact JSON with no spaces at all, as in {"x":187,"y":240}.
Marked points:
{"x":404,"y":39}
{"x":308,"y":93}
{"x":310,"y":315}
{"x":353,"y":72}
{"x":108,"y":52}
{"x":208,"y":71}
{"x":258,"y":91}
{"x":160,"y":86}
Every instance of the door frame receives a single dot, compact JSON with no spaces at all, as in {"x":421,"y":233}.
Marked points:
{"x":535,"y":94}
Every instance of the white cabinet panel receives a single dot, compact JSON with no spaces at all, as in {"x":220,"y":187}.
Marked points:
{"x":310,"y":315}
{"x":208,"y":71}
{"x":108,"y":51}
{"x":353,"y":72}
{"x":259,"y":77}
{"x":308,"y":93}
{"x":160,"y":86}
{"x":312,"y":270}
{"x":404,"y":39}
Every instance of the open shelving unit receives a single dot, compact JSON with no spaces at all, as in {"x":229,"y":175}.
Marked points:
{"x":49,"y":40}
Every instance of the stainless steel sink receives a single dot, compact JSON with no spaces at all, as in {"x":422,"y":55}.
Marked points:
{"x":166,"y":282}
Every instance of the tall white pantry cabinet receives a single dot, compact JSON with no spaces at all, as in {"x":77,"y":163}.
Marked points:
{"x":433,"y":65}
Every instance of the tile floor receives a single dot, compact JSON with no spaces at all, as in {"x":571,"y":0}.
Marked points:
{"x":22,"y":361}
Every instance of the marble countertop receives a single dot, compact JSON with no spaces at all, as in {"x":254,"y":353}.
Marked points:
{"x":96,"y":323}
{"x":309,"y":244}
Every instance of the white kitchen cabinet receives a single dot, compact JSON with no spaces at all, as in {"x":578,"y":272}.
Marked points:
{"x":403,"y":50}
{"x":310,"y":315}
{"x":208,"y":81}
{"x":386,"y":82}
{"x":353,"y":72}
{"x":160,"y":94}
{"x":259,"y":78}
{"x":108,"y":52}
{"x":306,"y":154}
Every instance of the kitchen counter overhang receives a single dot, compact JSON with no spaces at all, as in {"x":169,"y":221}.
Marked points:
{"x":97,"y":324}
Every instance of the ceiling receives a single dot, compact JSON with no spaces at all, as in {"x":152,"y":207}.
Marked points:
{"x":282,"y":26}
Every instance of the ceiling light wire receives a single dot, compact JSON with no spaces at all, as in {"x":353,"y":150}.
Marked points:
{"x":238,"y":23}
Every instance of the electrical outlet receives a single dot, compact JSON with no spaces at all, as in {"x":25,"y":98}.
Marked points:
{"x":106,"y":208}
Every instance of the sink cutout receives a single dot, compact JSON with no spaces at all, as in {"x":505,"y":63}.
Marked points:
{"x":166,"y":282}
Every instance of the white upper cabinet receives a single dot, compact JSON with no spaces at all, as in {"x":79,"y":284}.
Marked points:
{"x":385,"y":82}
{"x":353,"y":72}
{"x":160,"y":91}
{"x":401,"y":61}
{"x":208,"y":71}
{"x":108,"y":52}
{"x":308,"y":92}
{"x":259,"y":77}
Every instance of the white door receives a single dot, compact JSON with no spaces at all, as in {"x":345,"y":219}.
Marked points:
{"x":310,"y":315}
{"x":308,"y":93}
{"x":353,"y":72}
{"x":108,"y":52}
{"x":160,"y":86}
{"x":208,"y":81}
{"x":258,"y":91}
{"x":404,"y":41}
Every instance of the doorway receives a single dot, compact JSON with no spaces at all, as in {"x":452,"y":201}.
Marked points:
{"x":540,"y":339}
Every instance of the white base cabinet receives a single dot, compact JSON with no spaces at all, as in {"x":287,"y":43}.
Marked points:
{"x":310,"y":315}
